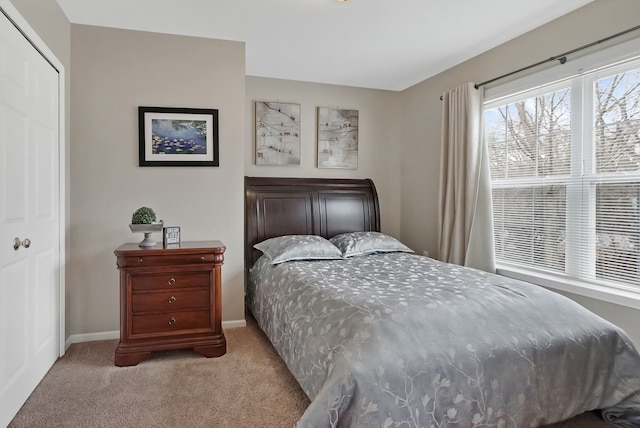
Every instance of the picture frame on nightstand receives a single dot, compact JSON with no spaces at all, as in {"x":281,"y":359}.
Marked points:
{"x":171,"y":237}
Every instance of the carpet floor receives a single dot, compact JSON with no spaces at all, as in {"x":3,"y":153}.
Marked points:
{"x":247,"y":387}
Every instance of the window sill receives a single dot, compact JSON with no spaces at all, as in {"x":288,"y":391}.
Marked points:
{"x":611,"y":295}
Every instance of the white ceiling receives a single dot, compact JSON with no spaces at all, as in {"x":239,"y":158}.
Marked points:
{"x":382,"y":44}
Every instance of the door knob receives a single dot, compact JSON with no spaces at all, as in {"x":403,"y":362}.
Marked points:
{"x":17,"y":243}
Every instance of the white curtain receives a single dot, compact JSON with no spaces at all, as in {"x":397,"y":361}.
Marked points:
{"x":465,"y":212}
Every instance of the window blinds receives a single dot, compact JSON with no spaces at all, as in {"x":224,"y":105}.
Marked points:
{"x":565,"y":169}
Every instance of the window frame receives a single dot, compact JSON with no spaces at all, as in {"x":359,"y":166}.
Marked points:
{"x":612,"y":58}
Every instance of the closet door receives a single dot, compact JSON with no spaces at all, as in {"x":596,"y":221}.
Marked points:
{"x":29,"y":219}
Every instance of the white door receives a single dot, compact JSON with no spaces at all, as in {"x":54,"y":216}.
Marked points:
{"x":29,"y":199}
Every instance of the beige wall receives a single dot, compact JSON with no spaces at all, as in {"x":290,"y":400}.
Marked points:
{"x":114,"y":72}
{"x":421,"y":114}
{"x":380,"y":143}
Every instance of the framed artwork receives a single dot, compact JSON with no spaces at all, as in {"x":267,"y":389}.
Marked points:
{"x":337,"y":138}
{"x":277,"y":133}
{"x":178,"y":136}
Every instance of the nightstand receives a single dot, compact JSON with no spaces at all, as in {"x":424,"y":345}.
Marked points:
{"x":170,"y":298}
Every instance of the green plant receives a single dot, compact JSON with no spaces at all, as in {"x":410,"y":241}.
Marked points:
{"x":143,"y":215}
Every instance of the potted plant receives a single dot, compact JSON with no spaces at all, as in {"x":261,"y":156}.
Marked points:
{"x":144,"y":220}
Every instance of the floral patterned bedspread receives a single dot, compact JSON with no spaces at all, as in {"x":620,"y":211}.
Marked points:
{"x":400,"y":340}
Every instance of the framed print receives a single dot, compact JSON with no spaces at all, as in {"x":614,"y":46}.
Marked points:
{"x":277,"y":133}
{"x":337,"y":138}
{"x":178,"y":136}
{"x":170,"y":235}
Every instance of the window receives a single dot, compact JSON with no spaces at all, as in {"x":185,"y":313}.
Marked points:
{"x":565,"y":173}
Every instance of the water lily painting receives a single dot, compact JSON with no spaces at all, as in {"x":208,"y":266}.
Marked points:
{"x":178,"y":136}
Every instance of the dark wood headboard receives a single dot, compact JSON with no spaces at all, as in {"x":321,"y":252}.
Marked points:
{"x":306,"y":206}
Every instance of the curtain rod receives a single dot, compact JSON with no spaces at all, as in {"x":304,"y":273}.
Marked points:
{"x":562,"y":58}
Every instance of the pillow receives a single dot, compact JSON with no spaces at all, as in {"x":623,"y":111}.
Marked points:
{"x":363,"y":243}
{"x":298,"y":247}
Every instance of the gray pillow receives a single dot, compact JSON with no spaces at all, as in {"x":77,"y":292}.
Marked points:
{"x":298,"y":247}
{"x":363,"y":243}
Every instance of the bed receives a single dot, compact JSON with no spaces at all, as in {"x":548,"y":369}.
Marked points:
{"x":385,"y":337}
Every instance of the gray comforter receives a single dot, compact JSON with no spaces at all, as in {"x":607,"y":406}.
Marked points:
{"x":399,"y":340}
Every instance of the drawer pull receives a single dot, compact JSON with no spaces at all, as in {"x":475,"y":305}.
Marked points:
{"x":140,"y":260}
{"x":172,"y":321}
{"x":171,"y":281}
{"x":172,"y":299}
{"x":202,"y":258}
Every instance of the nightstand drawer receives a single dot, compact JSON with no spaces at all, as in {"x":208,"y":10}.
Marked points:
{"x":170,"y":301}
{"x":172,"y":281}
{"x":170,"y":322}
{"x":164,"y":260}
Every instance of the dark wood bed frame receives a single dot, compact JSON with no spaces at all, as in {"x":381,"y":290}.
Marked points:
{"x":306,"y":206}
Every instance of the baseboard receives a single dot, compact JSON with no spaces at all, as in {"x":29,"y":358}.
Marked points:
{"x":234,"y":324}
{"x":110,"y":335}
{"x":91,"y":337}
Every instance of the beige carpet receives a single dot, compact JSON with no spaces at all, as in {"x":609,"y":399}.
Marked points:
{"x":247,"y":387}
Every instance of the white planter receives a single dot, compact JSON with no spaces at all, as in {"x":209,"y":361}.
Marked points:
{"x":147,"y":229}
